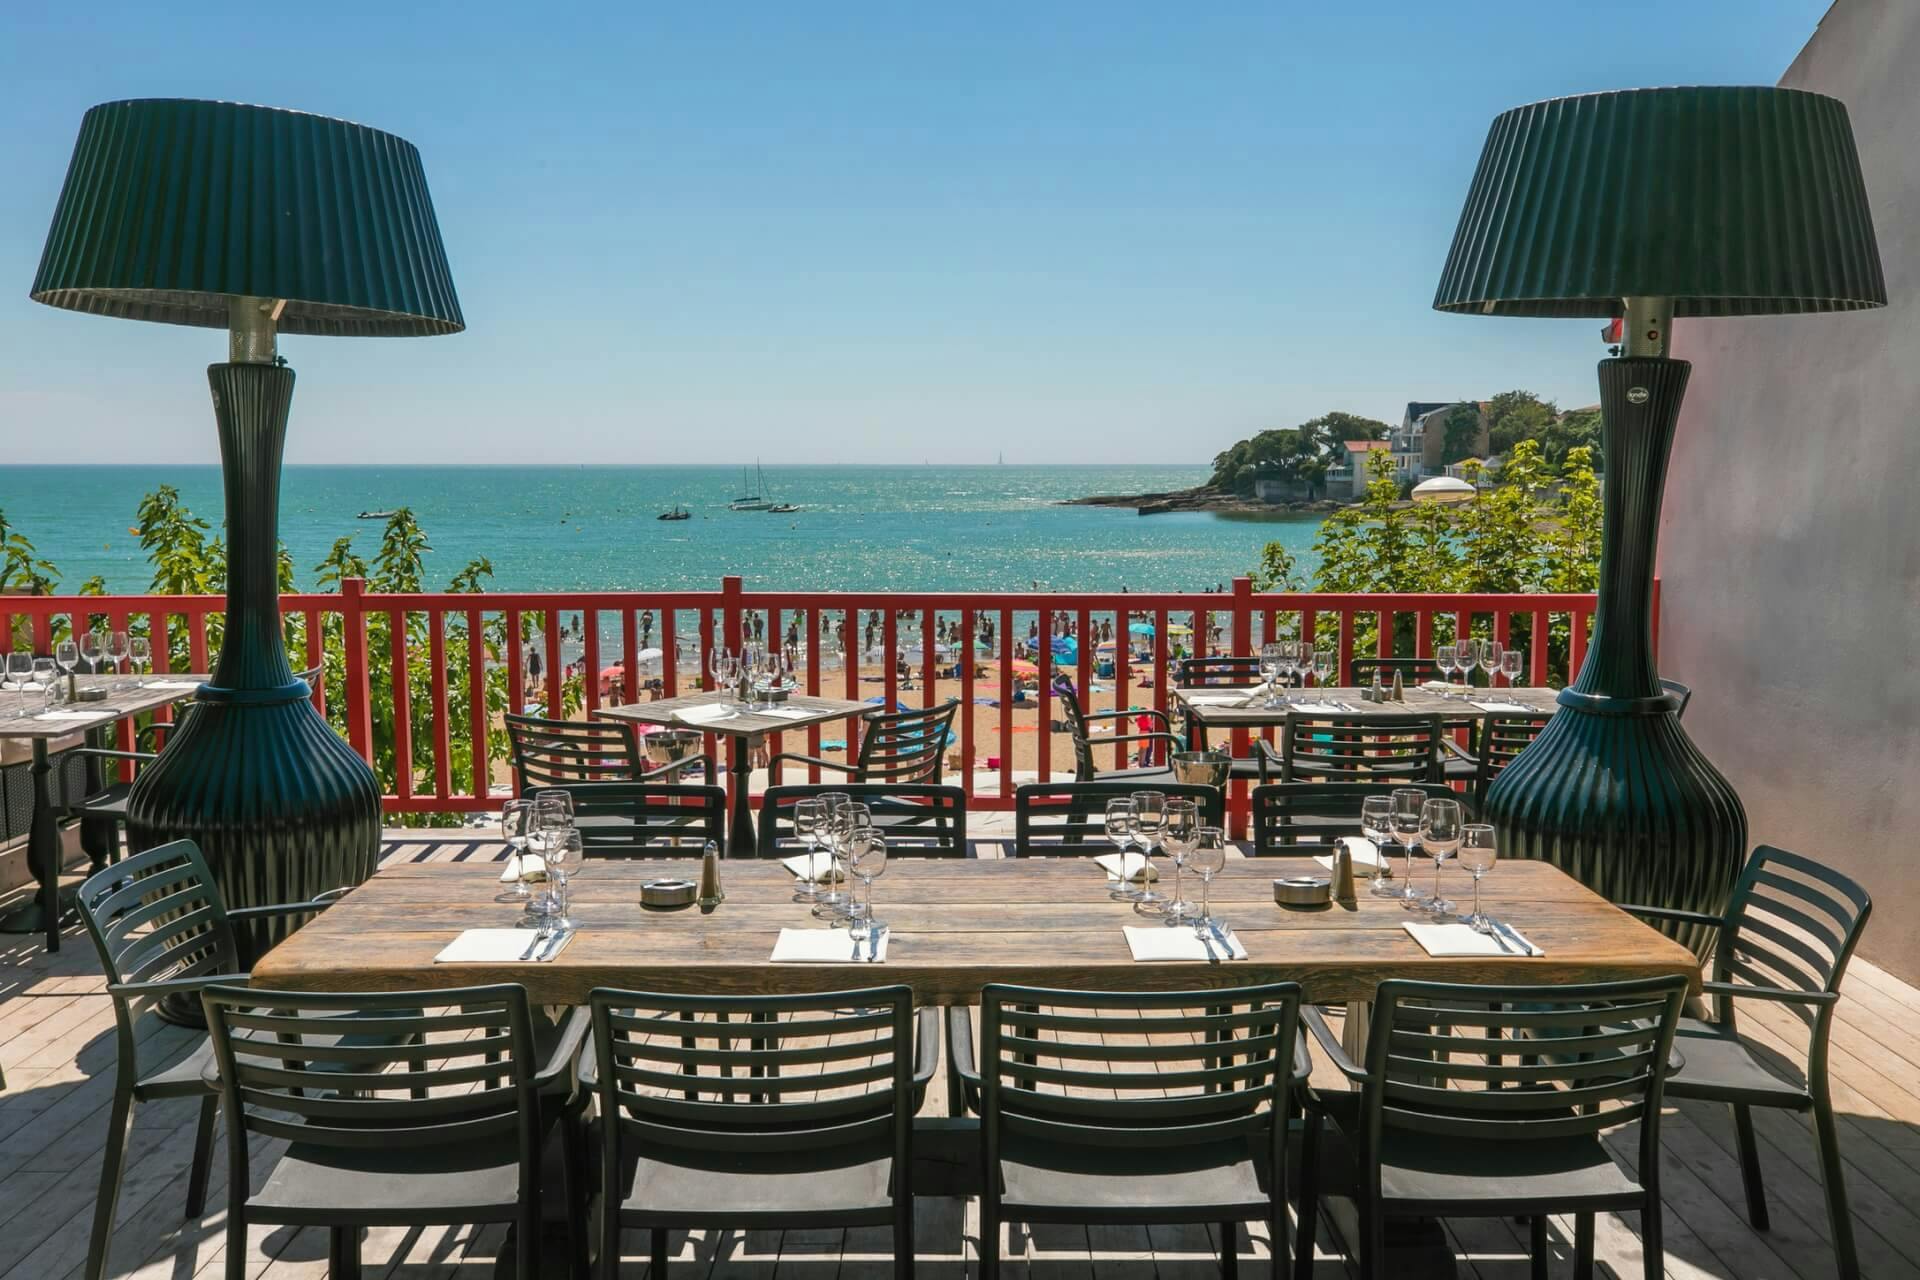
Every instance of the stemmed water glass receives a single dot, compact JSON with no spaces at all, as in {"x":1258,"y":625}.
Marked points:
{"x":833,"y":806}
{"x":1376,"y":824}
{"x":1477,"y":856}
{"x":1407,"y":804}
{"x":552,"y":820}
{"x":1181,"y":829}
{"x":20,"y":669}
{"x":1303,"y":664}
{"x":1440,"y":822}
{"x":867,"y":859}
{"x":516,"y":828}
{"x":806,"y":824}
{"x":722,"y":666}
{"x":1208,"y":858}
{"x":1120,"y":833}
{"x":1323,"y":658}
{"x":92,"y":651}
{"x":140,"y":650}
{"x":66,"y":655}
{"x":1492,"y":654}
{"x":1446,"y":659}
{"x":1510,"y":667}
{"x":560,"y":852}
{"x":1469,"y":654}
{"x":43,"y":676}
{"x":1149,"y":824}
{"x":117,"y":651}
{"x":1271,"y":664}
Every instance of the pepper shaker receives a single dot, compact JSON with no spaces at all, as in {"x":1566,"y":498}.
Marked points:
{"x":711,"y":894}
{"x":1343,"y":890}
{"x":1399,"y":691}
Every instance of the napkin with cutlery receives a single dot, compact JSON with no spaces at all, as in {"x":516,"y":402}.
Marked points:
{"x":817,"y":867}
{"x":1445,"y":686}
{"x":171,"y":684}
{"x":72,"y":715}
{"x":787,"y":713}
{"x":1223,"y":698}
{"x":498,"y":946}
{"x":705,"y":713}
{"x":1157,"y":942}
{"x":828,"y":946}
{"x":1319,"y":708}
{"x":1365,"y":854}
{"x":1503,"y":706}
{"x":526,"y":866}
{"x":1126,"y":866}
{"x":1442,"y":940}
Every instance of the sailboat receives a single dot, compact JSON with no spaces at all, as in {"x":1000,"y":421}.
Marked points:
{"x":755,"y":485}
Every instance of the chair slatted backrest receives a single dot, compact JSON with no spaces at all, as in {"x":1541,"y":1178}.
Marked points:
{"x":750,"y":1075}
{"x":1410,"y":670}
{"x":1125,"y":1069}
{"x":551,"y":753}
{"x":1791,"y":922}
{"x":646,"y":819}
{"x":1502,"y":737}
{"x":906,"y":746}
{"x":158,"y":915}
{"x":1219,"y":671}
{"x":338,"y":1071}
{"x":1442,"y":1067}
{"x":919,"y":820}
{"x":1296,"y":819}
{"x":1053,"y":818}
{"x":1084,"y":766}
{"x":1381,"y":749}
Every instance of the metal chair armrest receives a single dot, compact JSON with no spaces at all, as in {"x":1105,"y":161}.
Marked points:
{"x":678,"y":767}
{"x":926,"y":1047}
{"x":773,"y":765}
{"x":1173,"y":743}
{"x":564,"y":1061}
{"x":960,"y":1059}
{"x":1302,"y":1062}
{"x":1458,"y":752}
{"x":1330,"y":1045}
{"x":279,"y":909}
{"x":1159,"y":717}
{"x":1782,"y":995}
{"x":1674,"y":914}
{"x":129,"y":991}
{"x":1272,"y":766}
{"x":106,"y":753}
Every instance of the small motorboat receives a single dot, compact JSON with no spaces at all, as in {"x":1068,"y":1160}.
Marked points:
{"x":678,"y":513}
{"x":783,"y":508}
{"x":377,"y":515}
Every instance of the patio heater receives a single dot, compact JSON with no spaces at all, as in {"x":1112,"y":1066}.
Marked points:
{"x":1652,"y":204}
{"x":257,"y":221}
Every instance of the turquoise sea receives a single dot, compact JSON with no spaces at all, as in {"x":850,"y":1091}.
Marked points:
{"x":899,"y":528}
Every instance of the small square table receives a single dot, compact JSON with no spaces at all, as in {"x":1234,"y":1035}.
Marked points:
{"x":740,"y":730}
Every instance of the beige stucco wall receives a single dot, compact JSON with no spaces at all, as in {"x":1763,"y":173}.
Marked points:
{"x":1790,"y":548}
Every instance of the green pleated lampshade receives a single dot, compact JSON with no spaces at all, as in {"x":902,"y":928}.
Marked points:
{"x":1730,"y":201}
{"x":171,"y":207}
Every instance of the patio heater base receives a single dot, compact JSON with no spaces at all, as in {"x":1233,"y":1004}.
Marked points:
{"x":281,"y":807}
{"x":1613,"y":791}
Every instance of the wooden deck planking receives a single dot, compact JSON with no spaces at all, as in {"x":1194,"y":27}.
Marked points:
{"x":56,"y":1047}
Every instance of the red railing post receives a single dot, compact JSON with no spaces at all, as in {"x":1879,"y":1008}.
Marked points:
{"x":1242,"y":613}
{"x":730,"y":621}
{"x":353,"y":623}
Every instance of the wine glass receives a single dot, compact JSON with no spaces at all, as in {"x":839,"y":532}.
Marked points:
{"x":1182,"y":826}
{"x":564,"y":850}
{"x":1440,"y":822}
{"x":66,"y":655}
{"x":1492,"y":653}
{"x":1120,"y":832}
{"x":1446,"y":658}
{"x":833,"y":806}
{"x":140,"y":650}
{"x":43,"y":672}
{"x":92,"y":651}
{"x":20,"y":669}
{"x":1270,"y":666}
{"x":807,"y":815}
{"x":117,"y":652}
{"x":552,"y":820}
{"x":1303,"y":663}
{"x":867,"y":861}
{"x":1323,"y":662}
{"x":1208,"y":858}
{"x":1477,"y":855}
{"x":1510,"y":667}
{"x":1407,"y":804}
{"x":1149,"y":823}
{"x":1469,"y":658}
{"x":1376,"y":824}
{"x":516,"y":828}
{"x":852,"y":823}
{"x":720,"y":667}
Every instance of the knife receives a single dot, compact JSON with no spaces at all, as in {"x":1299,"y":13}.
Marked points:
{"x":1520,"y":944}
{"x":1221,"y":935}
{"x":1207,"y":944}
{"x":552,"y":948}
{"x":539,"y":937}
{"x":873,"y":944}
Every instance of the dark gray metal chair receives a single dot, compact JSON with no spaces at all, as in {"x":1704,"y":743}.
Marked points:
{"x":1129,"y":1108}
{"x":919,"y":820}
{"x":1299,"y":819}
{"x":1497,"y":741}
{"x":1446,"y":1125}
{"x":1336,"y":748}
{"x":1221,"y":672}
{"x":645,"y":819}
{"x":1788,"y":933}
{"x":379,"y":1137}
{"x":1079,"y":719}
{"x":757,"y":1112}
{"x":559,"y":753}
{"x":161,"y":929}
{"x":896,"y":746}
{"x":1051,"y":818}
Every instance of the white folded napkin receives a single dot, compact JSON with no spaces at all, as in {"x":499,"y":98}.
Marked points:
{"x":535,"y":868}
{"x":826,"y":946}
{"x":499,"y":946}
{"x":705,"y":713}
{"x":1442,"y":940}
{"x":1126,"y":866}
{"x":1443,"y":686}
{"x":171,"y":684}
{"x":1259,"y":695}
{"x":1318,"y":708}
{"x":1502,"y":706}
{"x":1365,"y":855}
{"x":817,"y":867}
{"x":72,"y":715}
{"x":786,"y":713}
{"x":1157,"y":942}
{"x":1230,"y":698}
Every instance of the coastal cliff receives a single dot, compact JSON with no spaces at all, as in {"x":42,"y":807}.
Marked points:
{"x":1202,"y":498}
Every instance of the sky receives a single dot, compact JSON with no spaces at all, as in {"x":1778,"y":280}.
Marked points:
{"x":837,"y":232}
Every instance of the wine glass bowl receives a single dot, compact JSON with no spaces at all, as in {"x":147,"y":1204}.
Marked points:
{"x":1440,"y":835}
{"x":1477,"y":854}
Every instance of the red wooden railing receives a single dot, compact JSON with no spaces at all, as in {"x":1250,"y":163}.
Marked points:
{"x":702,"y":618}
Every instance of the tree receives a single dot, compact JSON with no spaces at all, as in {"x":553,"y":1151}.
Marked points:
{"x":1302,"y":453}
{"x":1575,"y":429}
{"x":1513,"y":416}
{"x":1463,"y":433}
{"x":23,"y":571}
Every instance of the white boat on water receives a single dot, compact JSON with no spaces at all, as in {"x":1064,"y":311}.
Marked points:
{"x":755,"y":485}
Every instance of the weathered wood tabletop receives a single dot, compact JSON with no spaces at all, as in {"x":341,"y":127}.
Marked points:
{"x":797,"y":712}
{"x":65,"y":718}
{"x":1220,"y":709}
{"x":957,"y":925}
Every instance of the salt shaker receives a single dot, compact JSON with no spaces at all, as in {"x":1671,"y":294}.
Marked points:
{"x":711,"y":894}
{"x":1376,"y":694}
{"x":1399,"y":691}
{"x":1343,"y":890}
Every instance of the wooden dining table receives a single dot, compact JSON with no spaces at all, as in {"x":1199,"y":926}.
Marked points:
{"x":1220,"y":708}
{"x":956,"y":925}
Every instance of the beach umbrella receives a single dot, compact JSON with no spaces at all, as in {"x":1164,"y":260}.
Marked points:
{"x":649,"y":655}
{"x":1443,"y":489}
{"x":1021,"y":667}
{"x":1179,"y":629}
{"x":1141,"y":628}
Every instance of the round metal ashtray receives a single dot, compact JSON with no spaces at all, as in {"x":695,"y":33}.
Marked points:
{"x":1302,"y":891}
{"x":90,"y":695}
{"x":668,"y":893}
